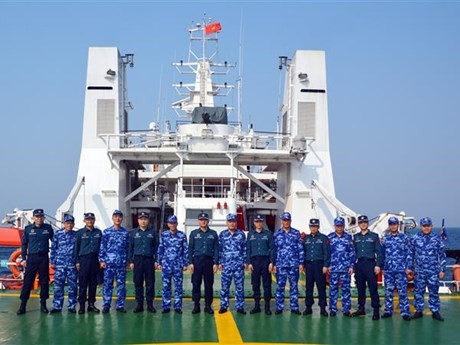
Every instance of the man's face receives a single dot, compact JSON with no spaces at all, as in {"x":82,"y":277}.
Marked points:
{"x":38,"y":220}
{"x":231,"y":225}
{"x":314,"y":229}
{"x":258,"y":224}
{"x":286,"y":223}
{"x":117,"y":219}
{"x":339,"y":229}
{"x":426,"y":229}
{"x":363,"y":225}
{"x":172,"y":226}
{"x":203,"y":223}
{"x":143,"y":222}
{"x":393,"y":228}
{"x":68,"y":226}
{"x":89,"y":222}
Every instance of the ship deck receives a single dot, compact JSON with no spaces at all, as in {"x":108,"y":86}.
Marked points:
{"x":229,"y":328}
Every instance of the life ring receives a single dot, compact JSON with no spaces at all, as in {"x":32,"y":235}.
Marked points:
{"x":14,"y":262}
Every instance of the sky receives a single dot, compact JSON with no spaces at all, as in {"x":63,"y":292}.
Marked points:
{"x":393,"y":76}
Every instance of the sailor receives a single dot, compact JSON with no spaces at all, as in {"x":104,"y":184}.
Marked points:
{"x":397,"y":259}
{"x":369,"y":260}
{"x":343,"y":258}
{"x":430,"y":266}
{"x":142,"y":250}
{"x":288,"y":262}
{"x":62,"y":259}
{"x":87,"y":246}
{"x":260,"y":259}
{"x":203,"y":251}
{"x":317,"y":260}
{"x":173,"y":261}
{"x":232,"y":263}
{"x":34,"y":251}
{"x":113,"y":258}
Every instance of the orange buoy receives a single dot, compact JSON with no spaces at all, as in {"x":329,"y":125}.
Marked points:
{"x":14,"y":262}
{"x":456,"y":272}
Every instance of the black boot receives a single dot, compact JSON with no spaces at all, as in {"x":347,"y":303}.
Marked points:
{"x":43,"y":307}
{"x":196,"y":308}
{"x":267,"y":308}
{"x":256,"y":308}
{"x":208,"y":309}
{"x":139,"y":307}
{"x":307,"y":311}
{"x":359,"y":312}
{"x":437,"y":316}
{"x":22,"y":308}
{"x":417,"y":315}
{"x":92,"y":308}
{"x":376,"y":315}
{"x":151,"y":308}
{"x":323,"y":311}
{"x":82,"y":308}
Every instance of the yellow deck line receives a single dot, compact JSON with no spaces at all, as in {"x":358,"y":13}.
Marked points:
{"x":227,"y":330}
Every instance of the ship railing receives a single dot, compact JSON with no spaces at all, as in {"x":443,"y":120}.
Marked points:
{"x":206,"y":190}
{"x":149,"y":139}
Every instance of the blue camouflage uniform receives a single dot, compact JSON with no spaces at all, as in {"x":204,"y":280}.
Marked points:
{"x":114,"y":253}
{"x":35,"y":248}
{"x":343,"y":258}
{"x":63,"y":258}
{"x":173,"y":257}
{"x":142,"y":253}
{"x":369,"y":255}
{"x":288,"y":256}
{"x":429,"y":260}
{"x":397,"y":259}
{"x":260,"y":255}
{"x":317,"y":255}
{"x":232,"y":256}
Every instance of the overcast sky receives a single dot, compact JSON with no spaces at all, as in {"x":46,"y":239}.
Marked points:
{"x":393,"y":89}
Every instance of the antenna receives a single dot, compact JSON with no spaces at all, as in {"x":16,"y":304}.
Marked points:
{"x":240,"y":70}
{"x":159,"y":95}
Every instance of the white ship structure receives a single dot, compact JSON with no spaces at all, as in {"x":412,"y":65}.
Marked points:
{"x":207,"y":163}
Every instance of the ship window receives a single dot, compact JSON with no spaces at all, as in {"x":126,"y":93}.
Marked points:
{"x":306,"y":123}
{"x":105,"y":116}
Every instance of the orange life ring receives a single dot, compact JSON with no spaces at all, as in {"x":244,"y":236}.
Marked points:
{"x":14,"y":263}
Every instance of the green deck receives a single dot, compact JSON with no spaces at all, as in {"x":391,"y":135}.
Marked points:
{"x":231,"y":328}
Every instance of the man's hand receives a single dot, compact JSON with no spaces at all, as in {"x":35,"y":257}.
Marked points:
{"x":183,"y":268}
{"x":442,"y":275}
{"x":325,"y":270}
{"x":221,"y":267}
{"x":52,"y":266}
{"x":273,"y":269}
{"x":77,"y":266}
{"x":214,"y":268}
{"x":24,"y":263}
{"x":376,"y":270}
{"x":192,"y":268}
{"x":131,"y":266}
{"x":245,"y":266}
{"x":251,"y":268}
{"x":301,"y":268}
{"x":270,"y":268}
{"x":159,"y":267}
{"x":350,"y":271}
{"x":103,"y":265}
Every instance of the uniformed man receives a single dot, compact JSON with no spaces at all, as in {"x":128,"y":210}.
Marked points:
{"x":87,"y":249}
{"x":142,"y":250}
{"x":370,"y":259}
{"x":232,"y":263}
{"x":173,"y":261}
{"x":34,"y":251}
{"x":203,"y":249}
{"x":62,"y":259}
{"x":343,"y":259}
{"x":317,"y":260}
{"x":397,"y":260}
{"x":288,"y":261}
{"x":113,"y":258}
{"x":430,"y":266}
{"x":260,"y":259}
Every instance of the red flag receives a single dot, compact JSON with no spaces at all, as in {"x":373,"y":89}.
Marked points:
{"x":212,"y":28}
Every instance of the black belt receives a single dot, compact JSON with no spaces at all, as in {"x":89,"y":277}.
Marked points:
{"x":365,"y":259}
{"x":38,"y":254}
{"x":260,"y":256}
{"x":143,"y":256}
{"x":89,"y":255}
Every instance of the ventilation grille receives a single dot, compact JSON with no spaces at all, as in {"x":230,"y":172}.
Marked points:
{"x":105,"y":116}
{"x":306,"y":123}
